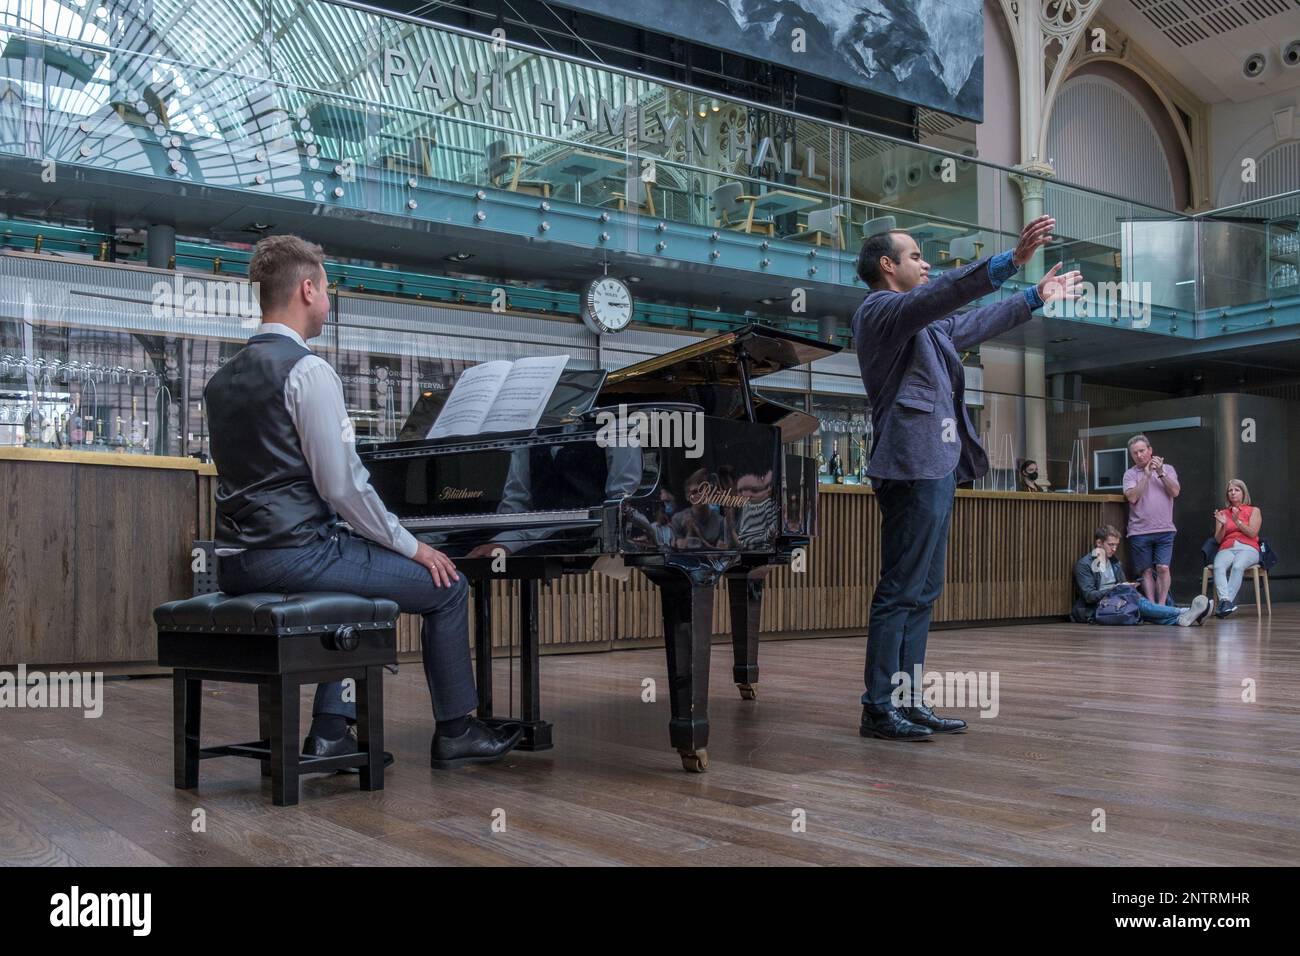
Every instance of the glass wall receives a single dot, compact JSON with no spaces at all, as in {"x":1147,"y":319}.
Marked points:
{"x":843,"y":445}
{"x":75,"y":374}
{"x":347,"y":109}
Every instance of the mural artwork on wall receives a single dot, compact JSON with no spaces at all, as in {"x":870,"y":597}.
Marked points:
{"x":926,"y":52}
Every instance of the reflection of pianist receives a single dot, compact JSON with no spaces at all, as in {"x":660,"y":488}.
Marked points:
{"x":559,"y":477}
{"x":700,"y":525}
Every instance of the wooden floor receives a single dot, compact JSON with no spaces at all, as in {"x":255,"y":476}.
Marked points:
{"x":1145,"y":723}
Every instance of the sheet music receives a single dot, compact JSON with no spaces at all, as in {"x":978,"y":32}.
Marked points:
{"x":470,"y":400}
{"x":499,"y":397}
{"x":523,"y":395}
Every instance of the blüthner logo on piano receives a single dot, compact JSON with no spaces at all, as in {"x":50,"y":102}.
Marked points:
{"x":656,"y":428}
{"x":706,"y":493}
{"x":451,"y":494}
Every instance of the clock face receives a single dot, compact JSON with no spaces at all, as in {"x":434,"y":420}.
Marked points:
{"x":607,"y":305}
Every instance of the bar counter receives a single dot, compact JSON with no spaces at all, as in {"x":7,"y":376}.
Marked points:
{"x":91,"y":542}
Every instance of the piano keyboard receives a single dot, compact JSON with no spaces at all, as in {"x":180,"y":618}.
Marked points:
{"x":518,"y":519}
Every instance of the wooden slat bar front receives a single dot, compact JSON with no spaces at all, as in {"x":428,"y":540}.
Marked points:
{"x":91,"y":542}
{"x":1010,"y":556}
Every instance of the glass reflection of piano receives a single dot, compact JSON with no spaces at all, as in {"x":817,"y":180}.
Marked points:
{"x":685,"y":508}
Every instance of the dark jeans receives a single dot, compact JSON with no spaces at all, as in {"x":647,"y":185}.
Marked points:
{"x":345,"y":562}
{"x":913,"y":545}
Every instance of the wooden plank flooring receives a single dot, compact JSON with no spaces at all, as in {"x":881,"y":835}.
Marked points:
{"x":1145,"y":723}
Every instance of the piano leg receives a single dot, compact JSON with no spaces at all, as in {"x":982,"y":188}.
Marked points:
{"x":687,"y":599}
{"x":745,"y":595}
{"x":537,"y":732}
{"x":483,"y":645}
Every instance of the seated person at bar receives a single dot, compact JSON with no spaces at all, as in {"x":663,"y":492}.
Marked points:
{"x":1236,"y":528}
{"x":288,"y":471}
{"x":1029,"y":476}
{"x":1098,"y":571}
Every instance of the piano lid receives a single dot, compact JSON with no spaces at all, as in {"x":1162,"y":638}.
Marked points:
{"x":716,"y":360}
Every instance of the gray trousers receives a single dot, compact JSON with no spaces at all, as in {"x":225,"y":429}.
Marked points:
{"x":351,"y":564}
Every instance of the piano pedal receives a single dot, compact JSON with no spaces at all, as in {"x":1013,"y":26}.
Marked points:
{"x":695,"y":761}
{"x":537,"y":733}
{"x":747,"y":691}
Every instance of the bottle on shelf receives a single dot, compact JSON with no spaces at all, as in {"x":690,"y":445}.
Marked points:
{"x":119,"y":440}
{"x":136,"y":438}
{"x":32,"y":428}
{"x":76,"y":430}
{"x":48,"y":429}
{"x":100,"y":441}
{"x":62,"y":434}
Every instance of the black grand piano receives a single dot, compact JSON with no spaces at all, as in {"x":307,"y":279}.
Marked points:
{"x":694,"y":488}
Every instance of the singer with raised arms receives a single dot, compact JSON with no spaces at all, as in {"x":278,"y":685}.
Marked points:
{"x":908,"y":336}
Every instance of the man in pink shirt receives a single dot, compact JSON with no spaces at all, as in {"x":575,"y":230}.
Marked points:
{"x":1150,"y":487}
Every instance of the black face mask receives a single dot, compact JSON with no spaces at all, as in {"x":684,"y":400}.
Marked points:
{"x":1032,"y":475}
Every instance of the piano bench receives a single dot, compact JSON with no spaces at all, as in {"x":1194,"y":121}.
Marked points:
{"x":278,"y":642}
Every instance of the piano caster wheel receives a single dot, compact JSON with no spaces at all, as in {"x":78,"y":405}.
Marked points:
{"x":747,"y":691}
{"x":695,"y":761}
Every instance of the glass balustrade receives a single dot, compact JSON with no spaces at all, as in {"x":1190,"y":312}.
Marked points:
{"x":349,"y":109}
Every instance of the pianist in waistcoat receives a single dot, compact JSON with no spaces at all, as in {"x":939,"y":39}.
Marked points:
{"x":288,"y":474}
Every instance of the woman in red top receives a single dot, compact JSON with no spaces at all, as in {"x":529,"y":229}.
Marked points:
{"x":1236,"y":528}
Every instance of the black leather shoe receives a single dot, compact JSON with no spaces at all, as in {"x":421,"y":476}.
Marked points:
{"x":890,"y":724}
{"x":315,"y":746}
{"x":928,"y":718}
{"x":480,"y":743}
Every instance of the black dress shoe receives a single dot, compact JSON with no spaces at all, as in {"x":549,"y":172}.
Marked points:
{"x":890,"y":724}
{"x":315,"y":746}
{"x":928,"y":718}
{"x":480,"y":743}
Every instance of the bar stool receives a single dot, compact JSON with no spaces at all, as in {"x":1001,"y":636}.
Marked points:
{"x":278,"y":642}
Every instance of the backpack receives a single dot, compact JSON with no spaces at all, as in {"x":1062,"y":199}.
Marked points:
{"x":1119,"y":606}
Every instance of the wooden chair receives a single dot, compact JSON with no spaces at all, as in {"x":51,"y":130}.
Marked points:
{"x":641,"y":193}
{"x":507,"y":168}
{"x":964,"y":249}
{"x":415,"y":155}
{"x":1257,"y":573}
{"x":735,"y":210}
{"x":879,"y":224}
{"x":530,"y":187}
{"x":824,"y":227}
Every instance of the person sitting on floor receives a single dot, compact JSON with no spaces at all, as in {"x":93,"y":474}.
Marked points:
{"x":1098,"y":571}
{"x":1236,"y":528}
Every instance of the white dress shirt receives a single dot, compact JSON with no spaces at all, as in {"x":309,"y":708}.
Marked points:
{"x":313,"y":395}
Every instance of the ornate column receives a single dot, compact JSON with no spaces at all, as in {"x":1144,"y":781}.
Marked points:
{"x":1046,"y":34}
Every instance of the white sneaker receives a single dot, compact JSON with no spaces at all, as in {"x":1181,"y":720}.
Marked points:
{"x":1196,"y":613}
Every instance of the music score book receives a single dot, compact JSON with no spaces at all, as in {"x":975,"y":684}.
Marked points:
{"x":499,"y":397}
